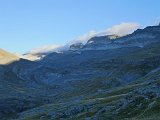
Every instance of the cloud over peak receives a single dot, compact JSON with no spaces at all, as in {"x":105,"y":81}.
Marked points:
{"x":44,"y":49}
{"x":121,"y":29}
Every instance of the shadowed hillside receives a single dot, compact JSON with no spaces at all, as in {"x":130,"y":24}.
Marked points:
{"x":107,"y":78}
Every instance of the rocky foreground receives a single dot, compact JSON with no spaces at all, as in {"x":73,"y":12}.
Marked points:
{"x":108,"y":78}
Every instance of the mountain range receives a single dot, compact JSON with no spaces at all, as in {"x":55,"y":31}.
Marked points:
{"x":110,"y":77}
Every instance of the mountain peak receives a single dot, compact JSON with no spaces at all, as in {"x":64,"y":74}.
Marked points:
{"x":76,"y":46}
{"x":6,"y":57}
{"x":102,"y":39}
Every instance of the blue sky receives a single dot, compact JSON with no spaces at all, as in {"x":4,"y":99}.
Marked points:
{"x":27,"y":24}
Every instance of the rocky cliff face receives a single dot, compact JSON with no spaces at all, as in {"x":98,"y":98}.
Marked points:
{"x":110,"y":77}
{"x":76,"y":46}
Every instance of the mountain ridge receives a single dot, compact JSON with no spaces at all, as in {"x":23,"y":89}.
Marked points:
{"x":6,"y":57}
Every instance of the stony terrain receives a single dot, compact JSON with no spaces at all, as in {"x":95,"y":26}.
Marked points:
{"x":108,"y":78}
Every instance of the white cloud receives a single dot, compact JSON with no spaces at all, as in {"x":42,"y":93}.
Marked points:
{"x":44,"y":49}
{"x":40,"y":52}
{"x":85,"y":37}
{"x":121,"y":29}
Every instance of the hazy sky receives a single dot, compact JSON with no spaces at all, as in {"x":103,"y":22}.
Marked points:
{"x":27,"y":24}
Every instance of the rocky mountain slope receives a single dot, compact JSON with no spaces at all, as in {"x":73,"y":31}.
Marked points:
{"x":110,"y":77}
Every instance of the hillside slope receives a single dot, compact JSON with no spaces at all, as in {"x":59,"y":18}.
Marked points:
{"x":6,"y":57}
{"x":107,"y":78}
